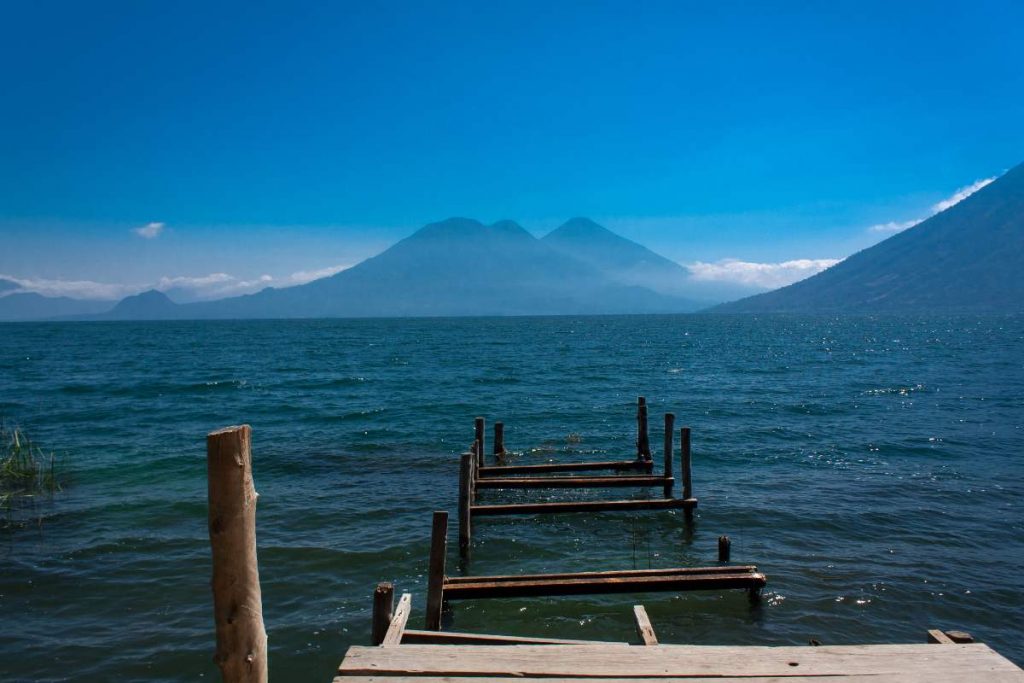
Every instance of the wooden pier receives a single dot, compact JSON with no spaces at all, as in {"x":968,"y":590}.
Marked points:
{"x":399,"y":653}
{"x":476,"y":476}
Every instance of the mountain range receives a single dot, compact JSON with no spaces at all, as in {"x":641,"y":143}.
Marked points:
{"x":968,"y":258}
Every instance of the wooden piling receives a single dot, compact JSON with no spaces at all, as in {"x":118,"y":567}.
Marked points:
{"x":237,"y":600}
{"x":435,"y":572}
{"x":643,"y":441}
{"x":670,"y":420}
{"x":474,"y":472}
{"x":687,"y":474}
{"x":724,"y":548}
{"x":465,"y":502}
{"x":479,"y":437}
{"x":499,"y":440}
{"x":383,"y":610}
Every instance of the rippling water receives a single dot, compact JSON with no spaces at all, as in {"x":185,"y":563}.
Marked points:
{"x":871,"y":467}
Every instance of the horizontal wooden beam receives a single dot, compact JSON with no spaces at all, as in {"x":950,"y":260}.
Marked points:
{"x":571,"y":482}
{"x":584,"y":506}
{"x":619,"y":465}
{"x":622,"y":573}
{"x":605,"y":585}
{"x":412,"y":637}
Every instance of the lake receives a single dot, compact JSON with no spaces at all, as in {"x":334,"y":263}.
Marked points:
{"x":871,"y":467}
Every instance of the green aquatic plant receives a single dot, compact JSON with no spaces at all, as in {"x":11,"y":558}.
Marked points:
{"x":26,"y":471}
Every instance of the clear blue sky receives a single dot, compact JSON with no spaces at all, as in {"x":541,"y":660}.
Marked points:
{"x":274,"y":138}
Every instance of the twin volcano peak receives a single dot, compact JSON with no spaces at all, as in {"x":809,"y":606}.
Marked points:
{"x":469,"y":228}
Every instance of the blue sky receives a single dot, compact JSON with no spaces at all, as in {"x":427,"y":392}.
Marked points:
{"x":273,"y":142}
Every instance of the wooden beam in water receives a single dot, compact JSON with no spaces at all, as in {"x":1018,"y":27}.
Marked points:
{"x":570,"y":482}
{"x":619,"y":465}
{"x":624,"y":573}
{"x":453,"y":638}
{"x":435,"y":572}
{"x":465,"y":502}
{"x":643,"y":626}
{"x":398,"y":621}
{"x":584,"y":506}
{"x":485,"y":588}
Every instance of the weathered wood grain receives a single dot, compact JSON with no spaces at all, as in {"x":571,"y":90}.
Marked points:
{"x":643,"y":626}
{"x":604,"y":585}
{"x":548,"y":467}
{"x":621,"y":481}
{"x":398,"y":621}
{"x":584,"y":506}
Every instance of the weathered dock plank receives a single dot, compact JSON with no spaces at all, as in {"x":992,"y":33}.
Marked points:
{"x":890,"y":662}
{"x":571,"y":482}
{"x":543,"y":468}
{"x":455,"y":638}
{"x":619,"y":573}
{"x":485,"y":588}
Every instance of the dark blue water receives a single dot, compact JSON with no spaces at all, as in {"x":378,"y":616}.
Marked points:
{"x":871,"y":467}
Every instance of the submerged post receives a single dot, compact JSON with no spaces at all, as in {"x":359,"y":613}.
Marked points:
{"x":670,"y":421}
{"x":237,"y":601}
{"x":465,"y":518}
{"x":479,"y":437}
{"x":499,"y":439}
{"x":687,"y":474}
{"x":435,"y":572}
{"x":383,"y":609}
{"x":724,"y":548}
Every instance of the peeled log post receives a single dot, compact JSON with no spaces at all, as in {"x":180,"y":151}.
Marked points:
{"x":670,"y":421}
{"x":237,"y":601}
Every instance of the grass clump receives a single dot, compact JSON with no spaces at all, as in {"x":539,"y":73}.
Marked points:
{"x":25,"y":470}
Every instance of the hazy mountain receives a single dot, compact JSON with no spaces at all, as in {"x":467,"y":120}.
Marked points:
{"x":31,"y":306}
{"x":149,"y":305}
{"x":634,"y":264}
{"x":454,"y":267}
{"x":970,"y":257}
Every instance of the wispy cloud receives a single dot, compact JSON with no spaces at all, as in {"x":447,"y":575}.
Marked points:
{"x":203,"y":287}
{"x":149,"y":231}
{"x":763,"y":275}
{"x":961,"y":194}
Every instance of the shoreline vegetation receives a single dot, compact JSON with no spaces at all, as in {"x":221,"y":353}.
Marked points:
{"x":27,"y":472}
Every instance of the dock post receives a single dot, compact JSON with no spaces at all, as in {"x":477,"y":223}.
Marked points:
{"x":435,"y":572}
{"x":724,"y":548}
{"x":479,"y":437}
{"x":473,"y":472}
{"x":237,"y":600}
{"x":643,"y":440}
{"x":670,"y":421}
{"x":383,"y":609}
{"x":687,"y":474}
{"x":465,"y":518}
{"x":499,"y":440}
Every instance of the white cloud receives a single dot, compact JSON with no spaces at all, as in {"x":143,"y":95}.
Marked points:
{"x":149,"y":231}
{"x":303,"y":276}
{"x":952,"y":200}
{"x":75,"y":289}
{"x":961,"y":194}
{"x":202,"y":287}
{"x":764,"y":275}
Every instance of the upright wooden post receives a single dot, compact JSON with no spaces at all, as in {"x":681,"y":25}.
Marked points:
{"x":479,"y":427}
{"x":237,"y":601}
{"x":645,"y":438}
{"x":724,"y":548}
{"x":465,"y":518}
{"x":641,"y":403}
{"x":670,"y":421}
{"x":499,"y":439}
{"x":473,"y":472}
{"x":435,"y":572}
{"x":383,"y":609}
{"x":687,"y":474}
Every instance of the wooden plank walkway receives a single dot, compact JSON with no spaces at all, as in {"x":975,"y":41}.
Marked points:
{"x":970,"y":663}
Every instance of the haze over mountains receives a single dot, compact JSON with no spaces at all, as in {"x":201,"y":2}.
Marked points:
{"x":969,"y":257}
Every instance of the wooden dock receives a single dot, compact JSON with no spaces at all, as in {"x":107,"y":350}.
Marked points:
{"x":597,"y":662}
